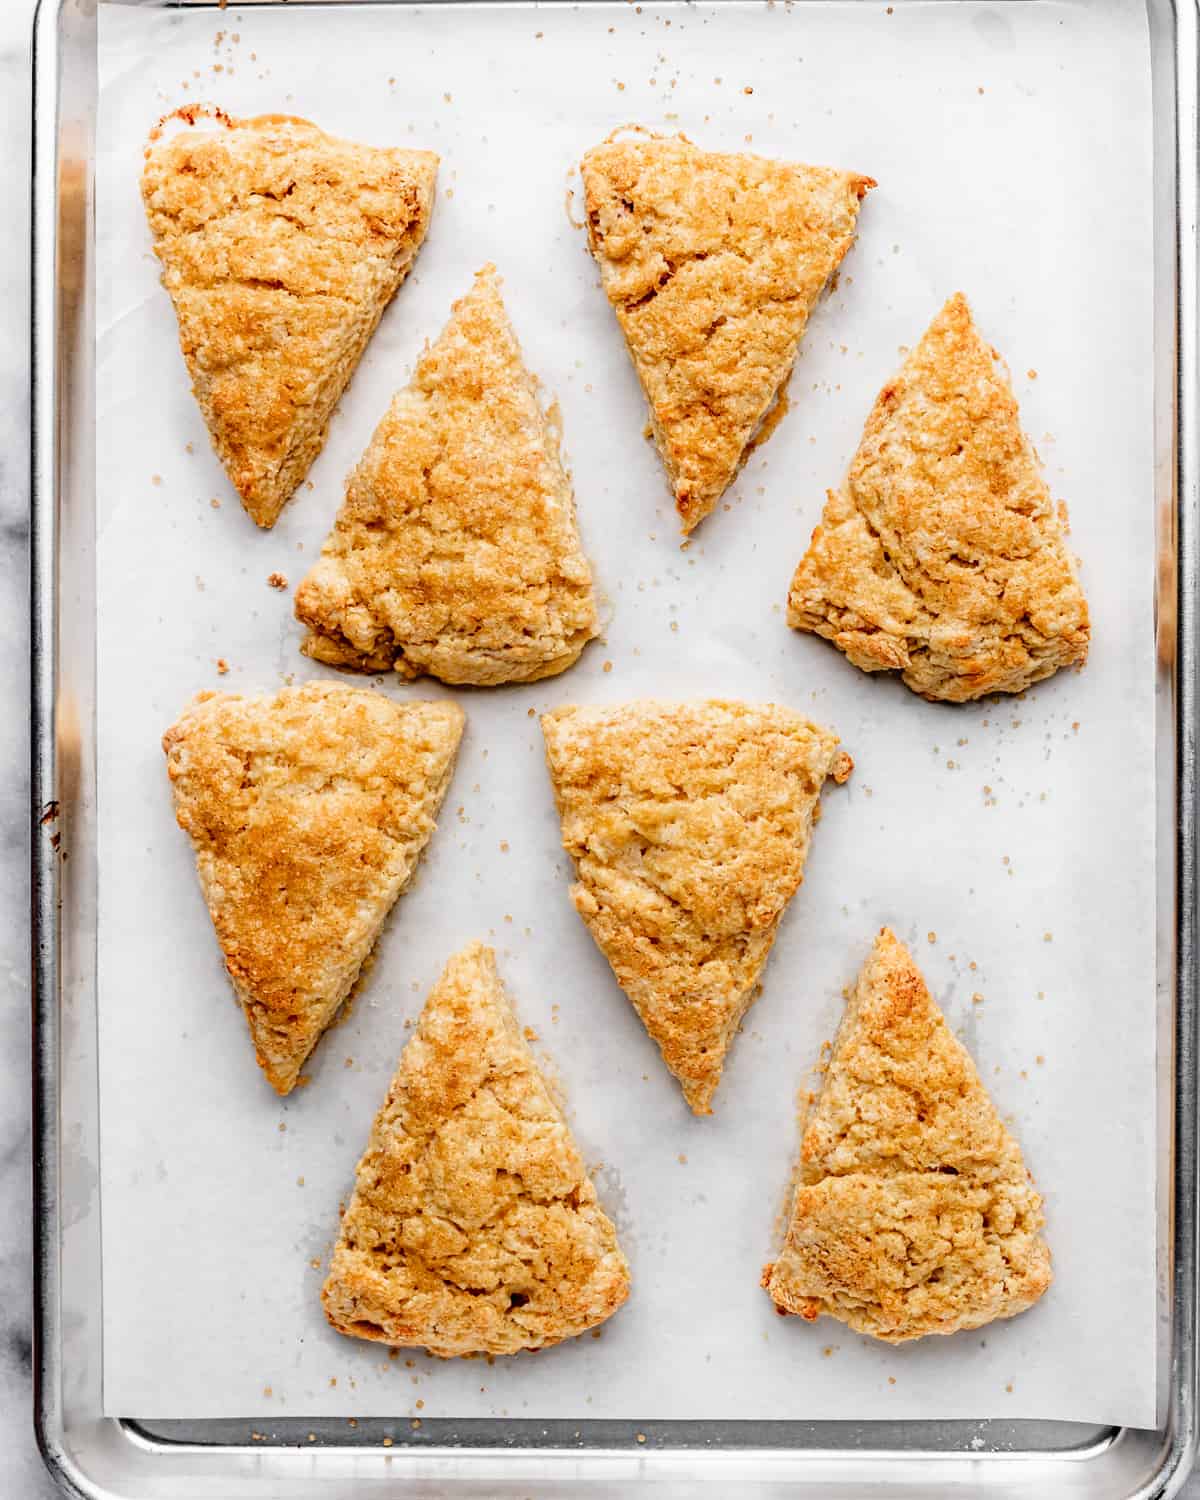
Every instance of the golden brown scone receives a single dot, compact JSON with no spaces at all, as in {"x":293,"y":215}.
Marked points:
{"x":943,"y":557}
{"x":712,"y":264}
{"x":308,"y":811}
{"x":456,"y":551}
{"x":689,"y":826}
{"x":474,"y":1226}
{"x":280,"y":246}
{"x":913,"y":1210}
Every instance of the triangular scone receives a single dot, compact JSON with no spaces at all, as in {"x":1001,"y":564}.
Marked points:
{"x":913,"y":1210}
{"x":712,"y":264}
{"x":943,"y":555}
{"x":280,"y":246}
{"x":456,"y":551}
{"x":689,"y":826}
{"x":474,"y":1226}
{"x":308,"y":811}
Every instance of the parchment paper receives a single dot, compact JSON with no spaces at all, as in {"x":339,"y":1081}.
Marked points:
{"x":1010,"y":843}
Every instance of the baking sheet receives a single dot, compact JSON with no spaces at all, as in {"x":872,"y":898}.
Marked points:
{"x":1011,"y":844}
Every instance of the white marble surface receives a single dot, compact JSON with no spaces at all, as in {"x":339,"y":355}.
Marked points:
{"x":21,"y":1473}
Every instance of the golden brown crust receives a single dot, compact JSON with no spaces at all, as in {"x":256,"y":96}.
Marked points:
{"x":913,"y":1210}
{"x":689,"y":826}
{"x":280,"y":248}
{"x":943,"y":556}
{"x":456,"y":551}
{"x":308,"y":811}
{"x":474,"y":1226}
{"x":712,"y":264}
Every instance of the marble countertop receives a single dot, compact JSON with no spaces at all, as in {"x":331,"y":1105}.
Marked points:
{"x":21,"y":1471}
{"x":22,"y":1476}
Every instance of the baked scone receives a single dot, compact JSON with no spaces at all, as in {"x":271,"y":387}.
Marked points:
{"x":689,"y":826}
{"x":474,"y":1226}
{"x":308,"y":810}
{"x":942,"y":556}
{"x":280,"y":247}
{"x":913,"y":1210}
{"x":456,"y":551}
{"x":713,"y":263}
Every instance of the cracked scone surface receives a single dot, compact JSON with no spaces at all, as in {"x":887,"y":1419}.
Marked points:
{"x":280,"y":248}
{"x":913,"y":1210}
{"x":943,"y":555}
{"x":713,"y":263}
{"x":308,"y":811}
{"x":689,"y":825}
{"x":456,"y":552}
{"x":474,"y":1226}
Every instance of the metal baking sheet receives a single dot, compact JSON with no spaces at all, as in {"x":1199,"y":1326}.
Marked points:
{"x":218,"y":1455}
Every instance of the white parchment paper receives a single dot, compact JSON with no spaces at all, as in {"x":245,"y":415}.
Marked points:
{"x":1010,"y":843}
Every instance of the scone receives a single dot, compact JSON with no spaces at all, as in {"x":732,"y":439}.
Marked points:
{"x":913,"y":1210}
{"x":943,"y":555}
{"x":308,"y":811}
{"x":474,"y":1226}
{"x":456,"y":551}
{"x":689,"y":825}
{"x":712,"y":264}
{"x":280,"y":247}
